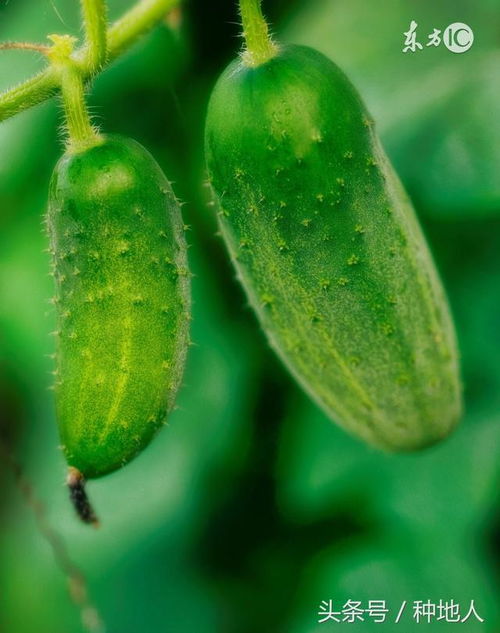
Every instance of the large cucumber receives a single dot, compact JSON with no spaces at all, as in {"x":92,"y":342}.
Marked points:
{"x":328,"y":248}
{"x":122,"y":298}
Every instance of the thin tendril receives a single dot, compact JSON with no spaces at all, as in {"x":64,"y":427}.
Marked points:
{"x":26,"y":46}
{"x":77,"y":584}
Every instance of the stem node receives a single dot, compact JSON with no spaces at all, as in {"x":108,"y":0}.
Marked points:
{"x":81,"y":133}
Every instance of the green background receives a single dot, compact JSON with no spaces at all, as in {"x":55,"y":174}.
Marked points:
{"x":251,"y":507}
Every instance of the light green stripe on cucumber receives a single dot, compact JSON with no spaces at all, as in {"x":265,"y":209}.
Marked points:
{"x":122,"y":298}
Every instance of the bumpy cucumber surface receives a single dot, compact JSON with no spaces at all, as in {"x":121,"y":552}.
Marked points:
{"x":122,"y":299}
{"x":329,"y":250}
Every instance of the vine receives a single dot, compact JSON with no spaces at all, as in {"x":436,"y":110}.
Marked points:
{"x":102,"y":46}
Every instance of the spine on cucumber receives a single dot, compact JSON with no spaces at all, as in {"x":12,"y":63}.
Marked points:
{"x":328,"y":248}
{"x":122,"y":299}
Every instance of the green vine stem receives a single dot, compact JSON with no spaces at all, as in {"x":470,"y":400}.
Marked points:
{"x":259,"y":45}
{"x":81,"y":134}
{"x":120,"y":37}
{"x":95,"y":17}
{"x":133,"y":24}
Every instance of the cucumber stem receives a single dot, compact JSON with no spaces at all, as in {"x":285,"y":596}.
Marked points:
{"x":79,"y":498}
{"x":82,"y":134}
{"x":260,"y":47}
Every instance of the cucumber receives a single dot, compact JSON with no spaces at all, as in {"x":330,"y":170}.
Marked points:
{"x":122,"y":300}
{"x":328,"y":248}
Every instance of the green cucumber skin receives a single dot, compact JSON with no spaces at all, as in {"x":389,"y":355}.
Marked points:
{"x":329,"y":251}
{"x":122,"y":300}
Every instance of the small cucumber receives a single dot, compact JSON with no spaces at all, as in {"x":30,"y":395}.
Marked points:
{"x":122,"y":300}
{"x":328,"y":248}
